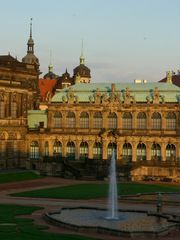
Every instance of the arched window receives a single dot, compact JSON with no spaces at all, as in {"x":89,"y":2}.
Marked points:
{"x":156,"y":120}
{"x":170,"y":152}
{"x":97,"y":150}
{"x":70,"y":151}
{"x":111,"y":147}
{"x":84,"y":120}
{"x":112,"y":120}
{"x":2,"y":109}
{"x":34,"y":150}
{"x":127,"y":120}
{"x":141,"y":120}
{"x":71,"y":120}
{"x":57,"y":148}
{"x":156,"y":151}
{"x":127,"y":152}
{"x":46,"y":149}
{"x":171,"y":121}
{"x":83,"y":150}
{"x":98,"y":120}
{"x":57,"y":120}
{"x":13,"y":109}
{"x":141,"y":151}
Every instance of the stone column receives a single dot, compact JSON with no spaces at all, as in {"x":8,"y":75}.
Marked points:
{"x":104,"y":149}
{"x":134,"y":151}
{"x":64,"y":147}
{"x":90,"y":153}
{"x":77,"y":151}
{"x":163,"y":151}
{"x":119,"y":149}
{"x":148,"y":150}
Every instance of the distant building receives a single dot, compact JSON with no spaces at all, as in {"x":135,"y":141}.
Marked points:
{"x":172,"y":77}
{"x":51,"y":82}
{"x":18,"y":93}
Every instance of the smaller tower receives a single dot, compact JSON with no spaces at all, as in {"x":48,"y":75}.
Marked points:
{"x":81,"y":72}
{"x":30,"y":58}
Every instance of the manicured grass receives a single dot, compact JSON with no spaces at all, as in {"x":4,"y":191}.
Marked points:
{"x":25,"y":229}
{"x":16,"y":177}
{"x":92,"y":191}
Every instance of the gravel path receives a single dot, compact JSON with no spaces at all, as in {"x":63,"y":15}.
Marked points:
{"x":54,"y":204}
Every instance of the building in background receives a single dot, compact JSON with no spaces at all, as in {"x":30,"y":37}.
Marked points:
{"x":19,"y":93}
{"x":85,"y":122}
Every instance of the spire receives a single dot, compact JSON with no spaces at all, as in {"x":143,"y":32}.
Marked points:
{"x":82,"y":59}
{"x":30,"y":44}
{"x":30,"y":58}
{"x":31,"y":28}
{"x":50,"y":67}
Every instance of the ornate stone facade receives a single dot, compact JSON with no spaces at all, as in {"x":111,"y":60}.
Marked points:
{"x":134,"y":119}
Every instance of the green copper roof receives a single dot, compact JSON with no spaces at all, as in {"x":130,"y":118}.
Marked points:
{"x":35,"y":117}
{"x":140,"y":91}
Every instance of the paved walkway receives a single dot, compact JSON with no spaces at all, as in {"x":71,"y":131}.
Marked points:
{"x":55,"y":204}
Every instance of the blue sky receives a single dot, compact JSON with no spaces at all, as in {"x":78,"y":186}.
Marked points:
{"x":123,"y":39}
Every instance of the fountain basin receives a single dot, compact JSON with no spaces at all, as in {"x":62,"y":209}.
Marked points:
{"x":129,"y":223}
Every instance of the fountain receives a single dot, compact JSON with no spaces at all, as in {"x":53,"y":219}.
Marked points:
{"x":130,"y":223}
{"x":112,"y":196}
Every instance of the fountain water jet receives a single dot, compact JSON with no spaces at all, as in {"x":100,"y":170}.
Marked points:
{"x":113,"y":195}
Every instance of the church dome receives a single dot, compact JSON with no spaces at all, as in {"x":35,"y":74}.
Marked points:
{"x":82,"y":71}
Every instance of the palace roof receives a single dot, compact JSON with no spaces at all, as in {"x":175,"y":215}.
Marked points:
{"x":140,"y":92}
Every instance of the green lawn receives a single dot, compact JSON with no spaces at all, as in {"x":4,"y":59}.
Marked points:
{"x":19,"y":176}
{"x":92,"y":191}
{"x":12,"y":227}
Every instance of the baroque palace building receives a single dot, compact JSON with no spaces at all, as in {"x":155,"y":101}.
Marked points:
{"x":85,"y":122}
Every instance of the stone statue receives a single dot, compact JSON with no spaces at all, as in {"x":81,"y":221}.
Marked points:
{"x":156,"y":95}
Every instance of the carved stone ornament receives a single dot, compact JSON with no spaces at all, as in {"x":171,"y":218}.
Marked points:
{"x":97,"y":96}
{"x":148,"y":98}
{"x":156,"y":96}
{"x":70,"y":95}
{"x":14,"y":97}
{"x":1,"y":96}
{"x":127,"y":96}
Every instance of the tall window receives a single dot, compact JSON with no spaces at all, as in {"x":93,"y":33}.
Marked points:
{"x":57,"y":120}
{"x":141,"y":120}
{"x":2,"y":109}
{"x":127,"y":120}
{"x":84,"y":120}
{"x":112,"y":120}
{"x":111,"y":147}
{"x":170,"y":152}
{"x":71,"y":150}
{"x":156,"y":151}
{"x":83,"y":150}
{"x":34,"y":150}
{"x":127,"y":152}
{"x":97,"y":151}
{"x":57,"y":148}
{"x":141,"y":151}
{"x":98,"y":120}
{"x":156,"y":120}
{"x":171,"y":121}
{"x":46,"y":149}
{"x":71,"y":120}
{"x":13,"y":109}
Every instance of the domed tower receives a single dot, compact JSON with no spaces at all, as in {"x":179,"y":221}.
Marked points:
{"x":30,"y":59}
{"x":50,"y":74}
{"x":82,"y":73}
